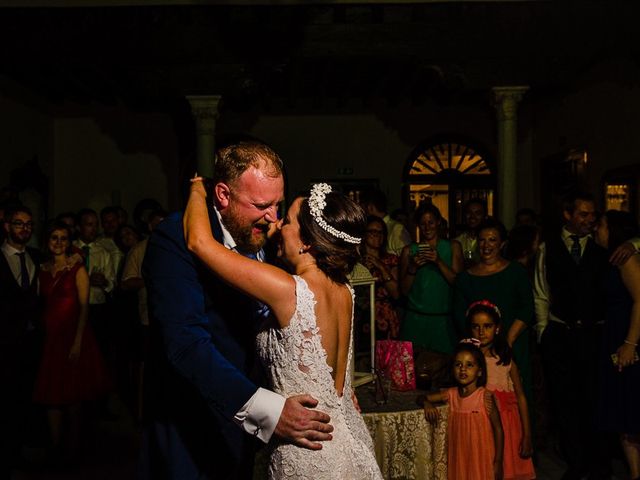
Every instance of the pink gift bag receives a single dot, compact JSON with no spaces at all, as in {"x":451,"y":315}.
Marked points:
{"x":394,"y":359}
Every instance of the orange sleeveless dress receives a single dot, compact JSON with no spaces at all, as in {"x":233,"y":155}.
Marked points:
{"x":470,"y":438}
{"x":499,"y":382}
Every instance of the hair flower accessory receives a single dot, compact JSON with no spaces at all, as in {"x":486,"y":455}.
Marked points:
{"x":472,"y":341}
{"x":484,"y":303}
{"x":316,"y":205}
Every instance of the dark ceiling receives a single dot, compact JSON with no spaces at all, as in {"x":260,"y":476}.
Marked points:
{"x":309,"y":56}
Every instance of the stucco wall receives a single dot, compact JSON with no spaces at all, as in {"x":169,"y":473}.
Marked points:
{"x":371,"y":145}
{"x":26,"y":132}
{"x":113,"y":158}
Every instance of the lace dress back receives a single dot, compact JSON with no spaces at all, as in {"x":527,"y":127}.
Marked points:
{"x":296,"y":363}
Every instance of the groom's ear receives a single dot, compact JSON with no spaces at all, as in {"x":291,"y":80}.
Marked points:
{"x":222,"y":195}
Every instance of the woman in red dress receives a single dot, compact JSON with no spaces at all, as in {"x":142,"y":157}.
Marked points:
{"x":72,"y":368}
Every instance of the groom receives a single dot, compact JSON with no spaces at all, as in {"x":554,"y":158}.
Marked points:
{"x":204,"y":403}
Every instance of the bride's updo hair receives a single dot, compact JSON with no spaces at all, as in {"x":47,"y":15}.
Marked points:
{"x":334,"y":256}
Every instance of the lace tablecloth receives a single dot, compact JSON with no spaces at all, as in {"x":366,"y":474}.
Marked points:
{"x":407,"y":446}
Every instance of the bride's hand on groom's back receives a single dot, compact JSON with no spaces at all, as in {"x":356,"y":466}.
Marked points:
{"x":301,"y":426}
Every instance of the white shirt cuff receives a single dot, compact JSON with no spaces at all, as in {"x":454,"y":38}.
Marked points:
{"x":260,"y":415}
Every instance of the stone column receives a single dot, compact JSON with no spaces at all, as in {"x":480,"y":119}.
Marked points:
{"x":506,"y":101}
{"x":204,"y":109}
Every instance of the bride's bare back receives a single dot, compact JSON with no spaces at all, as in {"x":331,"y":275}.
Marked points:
{"x":333,"y":310}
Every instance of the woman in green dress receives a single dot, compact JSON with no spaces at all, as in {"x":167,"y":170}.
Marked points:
{"x":505,"y":284}
{"x":427,"y":271}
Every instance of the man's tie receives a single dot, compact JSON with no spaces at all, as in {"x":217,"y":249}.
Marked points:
{"x":575,"y":249}
{"x":86,"y":251}
{"x":24,"y":273}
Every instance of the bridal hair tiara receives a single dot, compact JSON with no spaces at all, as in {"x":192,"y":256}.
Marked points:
{"x":316,"y":205}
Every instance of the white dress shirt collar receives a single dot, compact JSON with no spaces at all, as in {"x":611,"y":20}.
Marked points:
{"x":227,"y":239}
{"x":10,"y":249}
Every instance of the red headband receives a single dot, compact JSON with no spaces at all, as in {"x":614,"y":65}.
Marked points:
{"x":484,"y":303}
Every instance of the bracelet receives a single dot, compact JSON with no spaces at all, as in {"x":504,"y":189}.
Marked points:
{"x":387,"y":279}
{"x":630,"y":343}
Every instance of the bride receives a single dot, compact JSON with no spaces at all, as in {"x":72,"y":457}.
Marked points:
{"x":306,"y":345}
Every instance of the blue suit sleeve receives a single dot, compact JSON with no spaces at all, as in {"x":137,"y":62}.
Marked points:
{"x":177,"y":306}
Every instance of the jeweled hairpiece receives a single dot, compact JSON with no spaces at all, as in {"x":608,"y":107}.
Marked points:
{"x":484,"y":303}
{"x":316,"y":206}
{"x":472,"y":341}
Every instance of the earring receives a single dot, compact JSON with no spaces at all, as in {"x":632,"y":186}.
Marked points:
{"x":301,"y":251}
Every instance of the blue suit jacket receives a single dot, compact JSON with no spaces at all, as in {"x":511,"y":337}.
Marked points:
{"x":202,"y":366}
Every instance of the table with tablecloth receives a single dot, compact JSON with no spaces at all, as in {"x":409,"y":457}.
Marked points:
{"x":406,"y":445}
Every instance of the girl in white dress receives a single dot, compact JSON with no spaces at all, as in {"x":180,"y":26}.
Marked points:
{"x":306,"y":345}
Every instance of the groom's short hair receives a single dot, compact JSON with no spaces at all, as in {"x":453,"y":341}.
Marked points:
{"x":234,"y":159}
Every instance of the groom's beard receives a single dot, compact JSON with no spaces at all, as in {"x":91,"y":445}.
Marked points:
{"x":242,"y":231}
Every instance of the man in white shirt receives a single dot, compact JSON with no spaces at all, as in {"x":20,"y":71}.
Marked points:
{"x":109,"y":221}
{"x":569,"y":307}
{"x":475,"y":212}
{"x":102,"y":278}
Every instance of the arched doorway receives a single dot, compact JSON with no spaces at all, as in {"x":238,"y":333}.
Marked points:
{"x":447,"y":171}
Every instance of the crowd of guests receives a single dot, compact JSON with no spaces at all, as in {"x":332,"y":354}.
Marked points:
{"x":561,"y":307}
{"x":526,"y":303}
{"x":74,"y":326}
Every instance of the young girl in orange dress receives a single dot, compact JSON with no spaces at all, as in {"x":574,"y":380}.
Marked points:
{"x":503,"y":379}
{"x":475,"y":438}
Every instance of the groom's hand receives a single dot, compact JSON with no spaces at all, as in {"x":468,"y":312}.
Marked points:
{"x":301,"y":426}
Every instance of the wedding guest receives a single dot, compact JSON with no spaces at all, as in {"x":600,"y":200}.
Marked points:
{"x":503,"y":379}
{"x":475,"y":212}
{"x":427,"y":272}
{"x":133,"y":281}
{"x":526,"y":216}
{"x":569,"y":303}
{"x":474,"y":430}
{"x":505,"y":284}
{"x":619,"y":365}
{"x":72,"y":370}
{"x":109,"y":220}
{"x":384,"y":268}
{"x":375,"y":203}
{"x":522,"y":246}
{"x":20,"y":334}
{"x":123,"y":215}
{"x":126,"y":237}
{"x":102,"y":279}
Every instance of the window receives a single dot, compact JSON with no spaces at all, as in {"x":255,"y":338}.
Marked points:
{"x":448,"y":172}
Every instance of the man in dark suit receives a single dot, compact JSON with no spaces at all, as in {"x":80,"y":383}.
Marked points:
{"x":570,"y":312}
{"x":204,"y":406}
{"x":20,"y":334}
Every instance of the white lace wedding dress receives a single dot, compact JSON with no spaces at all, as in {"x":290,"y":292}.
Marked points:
{"x":297,"y":364}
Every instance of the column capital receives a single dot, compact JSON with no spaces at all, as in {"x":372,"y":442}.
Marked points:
{"x":506,"y":99}
{"x":204,"y":109}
